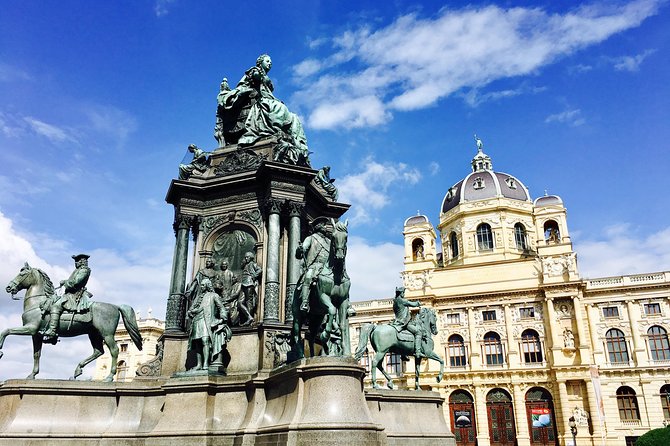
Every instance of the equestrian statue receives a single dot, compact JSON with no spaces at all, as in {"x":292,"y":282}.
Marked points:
{"x":405,"y":336}
{"x":321,"y":297}
{"x":47,"y":315}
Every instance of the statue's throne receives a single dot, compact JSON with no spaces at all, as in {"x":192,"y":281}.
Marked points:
{"x":230,"y":121}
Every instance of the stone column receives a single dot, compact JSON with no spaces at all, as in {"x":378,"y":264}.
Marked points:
{"x":564,"y":407}
{"x":174,"y":315}
{"x":271,"y":302}
{"x":638,"y":345}
{"x":292,"y":264}
{"x":553,"y":326}
{"x":583,"y":345}
{"x":513,"y":359}
{"x":475,"y":354}
{"x":594,"y":318}
{"x":520,"y":418}
{"x":483,"y":437}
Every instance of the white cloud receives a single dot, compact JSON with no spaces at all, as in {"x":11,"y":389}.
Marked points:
{"x":631,"y":63}
{"x":433,"y":168}
{"x":112,"y":122}
{"x":572,"y":117}
{"x":359,"y":112}
{"x":367,"y":191}
{"x":50,"y":131}
{"x":415,"y":61}
{"x":139,"y":279}
{"x":9,"y":73}
{"x":161,"y":7}
{"x":474,"y":97}
{"x":621,"y":250}
{"x":374,"y":269}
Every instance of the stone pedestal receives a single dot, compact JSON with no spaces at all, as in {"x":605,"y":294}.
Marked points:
{"x":410,"y":417}
{"x":318,"y":401}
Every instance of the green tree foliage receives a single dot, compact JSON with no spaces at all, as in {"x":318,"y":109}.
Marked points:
{"x":656,"y":437}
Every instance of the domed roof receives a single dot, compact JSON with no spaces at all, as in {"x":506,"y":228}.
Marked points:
{"x":416,"y":220}
{"x":548,"y":200}
{"x":484,"y":183}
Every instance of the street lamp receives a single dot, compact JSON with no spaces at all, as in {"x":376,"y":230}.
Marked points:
{"x":573,"y":430}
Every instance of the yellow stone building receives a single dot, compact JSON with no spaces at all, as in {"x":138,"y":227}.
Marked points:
{"x":527,"y":342}
{"x":130,"y":358}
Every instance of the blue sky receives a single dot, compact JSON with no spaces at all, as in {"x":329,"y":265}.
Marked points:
{"x":100,"y":101}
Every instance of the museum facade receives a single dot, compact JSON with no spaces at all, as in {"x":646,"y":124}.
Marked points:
{"x":534,"y":353}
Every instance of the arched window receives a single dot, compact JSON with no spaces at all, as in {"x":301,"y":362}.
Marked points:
{"x":520,"y":237}
{"x":658,"y":343}
{"x":551,"y":232}
{"x":665,"y":401}
{"x":484,"y":237}
{"x":493,"y":348}
{"x":627,"y":402}
{"x":530,"y":344}
{"x":616,"y":346}
{"x":453,"y":244}
{"x":456,"y":351}
{"x":121,"y":371}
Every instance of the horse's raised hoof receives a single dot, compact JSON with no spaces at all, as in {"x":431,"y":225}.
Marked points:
{"x":77,"y":373}
{"x":439,"y":378}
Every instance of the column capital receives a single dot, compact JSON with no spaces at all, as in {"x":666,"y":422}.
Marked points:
{"x":294,"y":208}
{"x":273,"y":205}
{"x":183,"y":221}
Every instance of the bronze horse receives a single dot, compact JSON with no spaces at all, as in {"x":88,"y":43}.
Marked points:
{"x":385,"y":338}
{"x":328,"y":301}
{"x":101,"y":327}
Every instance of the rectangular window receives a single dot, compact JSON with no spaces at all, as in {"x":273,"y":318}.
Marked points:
{"x":124,"y":348}
{"x":652,"y":309}
{"x":527,"y":312}
{"x":489,"y":315}
{"x":454,"y":318}
{"x":456,"y":353}
{"x":394,"y":364}
{"x":611,"y":311}
{"x":365,"y":362}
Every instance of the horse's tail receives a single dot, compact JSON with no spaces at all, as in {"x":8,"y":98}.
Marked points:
{"x":366,"y":331}
{"x":129,"y":321}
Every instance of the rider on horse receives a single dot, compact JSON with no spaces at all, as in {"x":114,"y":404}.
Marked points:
{"x":403,"y":319}
{"x":76,"y":298}
{"x":315,"y":250}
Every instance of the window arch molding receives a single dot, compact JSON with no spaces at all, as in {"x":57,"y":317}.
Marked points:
{"x":659,"y":345}
{"x":484,"y":235}
{"x":627,"y":404}
{"x":617,"y":346}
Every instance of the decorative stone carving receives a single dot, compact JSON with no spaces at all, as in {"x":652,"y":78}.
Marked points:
{"x":273,"y":206}
{"x":278,"y":343}
{"x":239,"y":161}
{"x":153,"y":366}
{"x":271,"y":301}
{"x":416,"y":281}
{"x":252,"y":216}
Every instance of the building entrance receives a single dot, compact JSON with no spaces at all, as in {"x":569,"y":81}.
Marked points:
{"x":500,"y":413}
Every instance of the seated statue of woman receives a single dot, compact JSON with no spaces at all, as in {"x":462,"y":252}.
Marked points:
{"x":268,"y":116}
